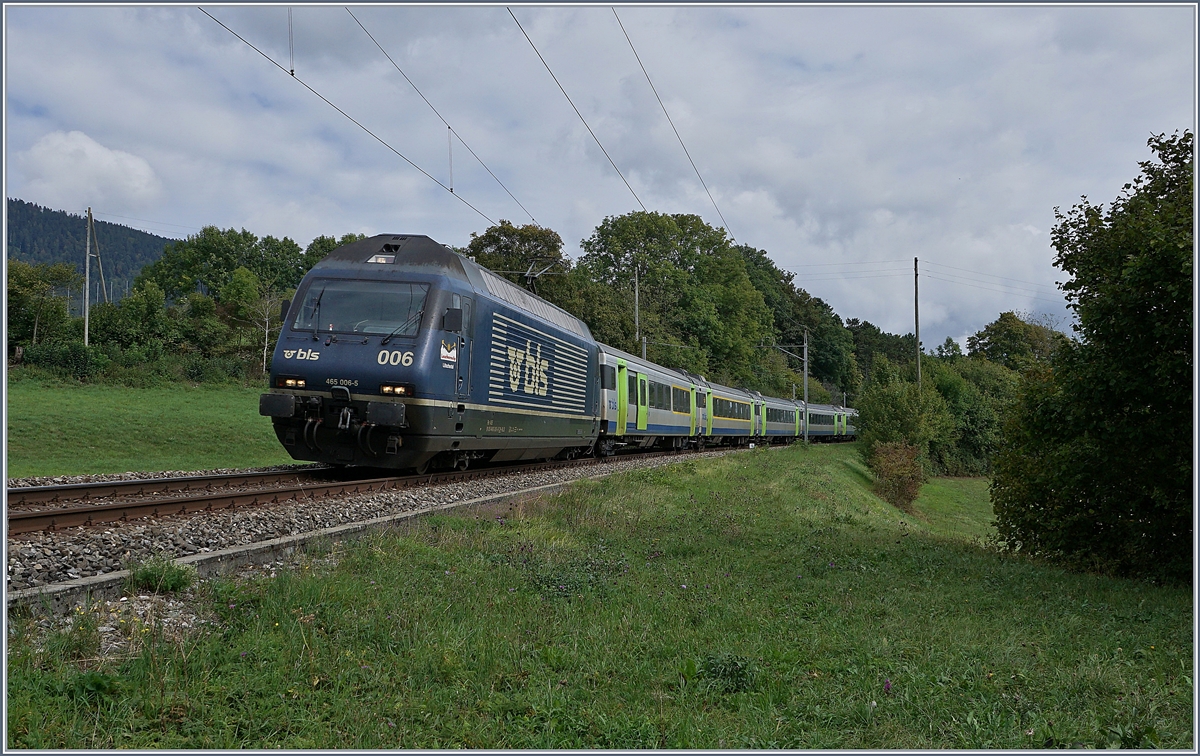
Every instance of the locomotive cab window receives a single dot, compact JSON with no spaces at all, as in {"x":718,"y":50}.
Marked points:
{"x":365,"y":307}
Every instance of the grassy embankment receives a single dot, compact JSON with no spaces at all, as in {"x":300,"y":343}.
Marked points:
{"x":63,"y":429}
{"x":766,"y":599}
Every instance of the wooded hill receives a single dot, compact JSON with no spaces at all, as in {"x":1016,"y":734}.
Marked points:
{"x":39,"y":235}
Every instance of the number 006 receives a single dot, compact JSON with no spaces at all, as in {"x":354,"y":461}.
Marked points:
{"x":395,"y":358}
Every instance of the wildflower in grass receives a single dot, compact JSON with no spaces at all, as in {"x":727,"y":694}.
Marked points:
{"x":684,"y":586}
{"x":887,"y":686}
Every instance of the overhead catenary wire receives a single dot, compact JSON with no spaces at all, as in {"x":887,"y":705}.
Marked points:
{"x":581,"y":118}
{"x":440,"y":118}
{"x":677,"y":136}
{"x":350,"y":118}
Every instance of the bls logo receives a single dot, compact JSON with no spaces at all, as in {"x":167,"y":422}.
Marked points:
{"x":528,"y":368}
{"x":302,"y":354}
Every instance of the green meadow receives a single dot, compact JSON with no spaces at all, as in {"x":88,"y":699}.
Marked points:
{"x":766,"y":599}
{"x":71,"y":429}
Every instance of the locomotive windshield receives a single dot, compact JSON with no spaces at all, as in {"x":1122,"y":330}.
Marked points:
{"x":367,"y":307}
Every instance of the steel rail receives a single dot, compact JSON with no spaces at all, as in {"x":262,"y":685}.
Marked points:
{"x":207,"y":501}
{"x":54,"y":494}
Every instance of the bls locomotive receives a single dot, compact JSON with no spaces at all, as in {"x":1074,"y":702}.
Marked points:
{"x":399,"y":352}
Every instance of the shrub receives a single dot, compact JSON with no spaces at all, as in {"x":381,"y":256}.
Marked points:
{"x":159,"y":574}
{"x":898,"y":473}
{"x":71,"y":359}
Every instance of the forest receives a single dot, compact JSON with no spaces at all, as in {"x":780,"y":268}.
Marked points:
{"x":39,"y":235}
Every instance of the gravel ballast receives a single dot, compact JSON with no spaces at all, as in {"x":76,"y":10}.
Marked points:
{"x":42,"y":558}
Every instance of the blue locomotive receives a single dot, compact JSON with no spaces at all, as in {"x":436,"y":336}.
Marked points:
{"x":398,"y":352}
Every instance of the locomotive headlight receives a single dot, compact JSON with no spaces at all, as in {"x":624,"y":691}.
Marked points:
{"x":289,"y":381}
{"x":396,"y":389}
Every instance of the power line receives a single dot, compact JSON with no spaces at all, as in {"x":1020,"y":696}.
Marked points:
{"x":998,"y":291}
{"x":585,"y":123}
{"x":866,"y":262}
{"x":989,"y":275}
{"x":965,"y":279}
{"x":439,"y":115}
{"x":853,"y":277}
{"x":143,"y":220}
{"x":349,"y":117}
{"x":668,"y":115}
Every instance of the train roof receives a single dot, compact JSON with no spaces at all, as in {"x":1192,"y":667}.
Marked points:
{"x":421,"y":254}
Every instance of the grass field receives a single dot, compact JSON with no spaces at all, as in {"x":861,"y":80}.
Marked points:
{"x":56,"y":429}
{"x":763,"y":600}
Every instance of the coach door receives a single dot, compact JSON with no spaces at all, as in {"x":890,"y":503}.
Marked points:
{"x":622,"y":397}
{"x":643,"y":403}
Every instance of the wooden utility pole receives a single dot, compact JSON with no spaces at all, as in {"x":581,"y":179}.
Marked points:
{"x":917,"y":319}
{"x":87,"y":277}
{"x":805,"y":385}
{"x":637,"y":326}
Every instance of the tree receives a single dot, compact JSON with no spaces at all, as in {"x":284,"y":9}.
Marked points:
{"x":949,"y":350}
{"x":251,"y":302}
{"x":870,"y":341}
{"x":206,"y":261}
{"x":892,"y":410}
{"x":1095,"y":465}
{"x":521,"y":253}
{"x":1014,"y":342}
{"x":831,"y":345}
{"x":698,"y":306}
{"x":36,"y":305}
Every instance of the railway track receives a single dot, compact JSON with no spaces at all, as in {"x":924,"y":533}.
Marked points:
{"x":164,"y":497}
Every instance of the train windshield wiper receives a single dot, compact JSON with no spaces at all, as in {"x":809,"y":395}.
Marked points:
{"x":402,"y":327}
{"x":316,"y":312}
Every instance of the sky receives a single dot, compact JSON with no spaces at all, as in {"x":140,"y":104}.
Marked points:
{"x":844,"y":141}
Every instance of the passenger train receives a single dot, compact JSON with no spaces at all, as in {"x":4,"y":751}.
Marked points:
{"x":399,"y":352}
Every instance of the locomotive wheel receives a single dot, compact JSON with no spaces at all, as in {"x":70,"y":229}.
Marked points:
{"x":422,"y":468}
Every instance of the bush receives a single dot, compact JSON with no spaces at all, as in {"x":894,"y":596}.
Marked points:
{"x":71,"y":359}
{"x":159,"y":574}
{"x":892,"y":410}
{"x":898,"y":473}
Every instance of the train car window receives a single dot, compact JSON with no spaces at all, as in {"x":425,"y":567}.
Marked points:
{"x":608,"y":377}
{"x":656,"y":395}
{"x":366,"y":307}
{"x":633,"y":387}
{"x":733,"y":410}
{"x":644,"y":392}
{"x":679,"y":400}
{"x":700,"y":398}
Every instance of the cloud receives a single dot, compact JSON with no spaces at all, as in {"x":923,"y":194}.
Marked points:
{"x":70,"y":170}
{"x":835,"y":138}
